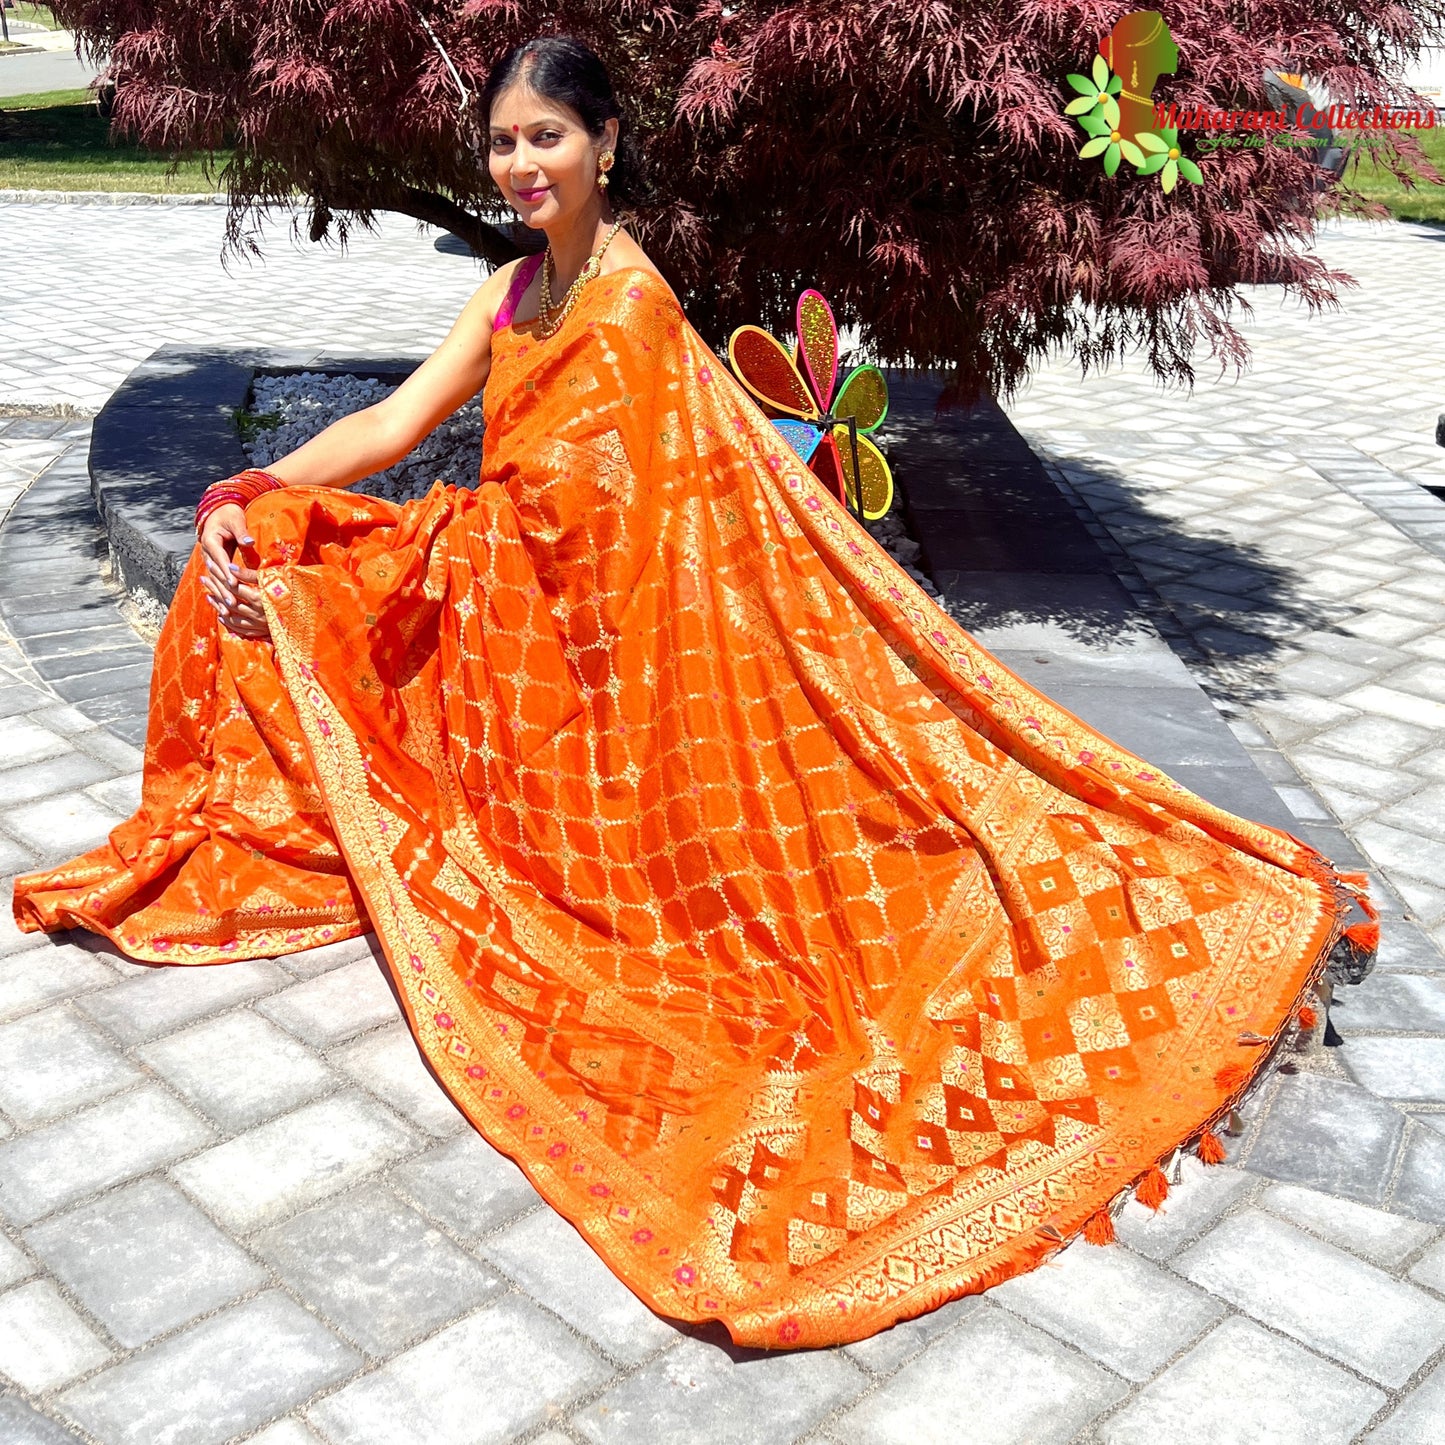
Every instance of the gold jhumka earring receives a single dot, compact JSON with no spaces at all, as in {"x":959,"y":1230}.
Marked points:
{"x":604,"y":164}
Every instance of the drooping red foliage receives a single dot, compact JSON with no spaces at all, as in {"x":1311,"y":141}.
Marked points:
{"x":909,"y":158}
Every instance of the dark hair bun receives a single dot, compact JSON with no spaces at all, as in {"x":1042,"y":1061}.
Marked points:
{"x":565,"y":70}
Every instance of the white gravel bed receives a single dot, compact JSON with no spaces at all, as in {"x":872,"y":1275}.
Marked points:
{"x":307,"y":402}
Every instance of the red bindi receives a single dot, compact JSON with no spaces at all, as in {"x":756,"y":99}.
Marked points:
{"x":515,"y":129}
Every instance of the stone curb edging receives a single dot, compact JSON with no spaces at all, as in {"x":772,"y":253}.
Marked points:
{"x":109,"y":198}
{"x":169,"y":430}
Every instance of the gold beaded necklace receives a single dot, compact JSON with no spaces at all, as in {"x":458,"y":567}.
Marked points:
{"x":549,"y":317}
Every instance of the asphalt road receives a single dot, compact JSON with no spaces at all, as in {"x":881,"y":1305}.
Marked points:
{"x":54,"y":70}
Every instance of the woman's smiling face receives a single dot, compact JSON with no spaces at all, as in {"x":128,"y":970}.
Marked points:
{"x":541,"y":156}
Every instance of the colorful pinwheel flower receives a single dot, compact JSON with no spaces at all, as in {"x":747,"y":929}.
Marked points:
{"x":1096,"y":92}
{"x":814,"y":421}
{"x":1165,"y":158}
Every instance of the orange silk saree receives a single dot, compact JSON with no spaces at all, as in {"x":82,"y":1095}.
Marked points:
{"x":817,"y":968}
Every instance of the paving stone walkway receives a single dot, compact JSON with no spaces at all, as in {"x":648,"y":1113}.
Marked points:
{"x":234,"y":1205}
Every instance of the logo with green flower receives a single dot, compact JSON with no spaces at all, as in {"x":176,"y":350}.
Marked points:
{"x":1116,"y":109}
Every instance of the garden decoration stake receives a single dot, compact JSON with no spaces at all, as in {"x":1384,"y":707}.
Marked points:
{"x":829,"y":433}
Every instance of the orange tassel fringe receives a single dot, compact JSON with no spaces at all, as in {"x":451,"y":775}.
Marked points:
{"x":1099,"y":1227}
{"x":1365,"y":936}
{"x":1230,"y":1077}
{"x":1307,"y":1018}
{"x":1211,"y":1151}
{"x":1152,"y":1189}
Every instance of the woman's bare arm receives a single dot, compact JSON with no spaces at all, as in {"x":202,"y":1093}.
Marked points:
{"x":359,"y":445}
{"x":379,"y":436}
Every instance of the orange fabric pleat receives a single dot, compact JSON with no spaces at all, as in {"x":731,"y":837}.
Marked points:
{"x":816,"y":967}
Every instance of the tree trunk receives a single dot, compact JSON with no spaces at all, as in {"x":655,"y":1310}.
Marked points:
{"x":489,"y":242}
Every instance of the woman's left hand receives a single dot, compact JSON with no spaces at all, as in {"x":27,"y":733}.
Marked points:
{"x":238,"y":607}
{"x":246,"y":617}
{"x":229,"y":587}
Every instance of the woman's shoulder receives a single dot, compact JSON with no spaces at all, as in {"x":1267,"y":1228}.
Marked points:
{"x":643,"y":278}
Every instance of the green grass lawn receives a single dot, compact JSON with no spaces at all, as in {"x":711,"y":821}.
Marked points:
{"x":35,"y":14}
{"x":58,"y":141}
{"x":1425,"y":202}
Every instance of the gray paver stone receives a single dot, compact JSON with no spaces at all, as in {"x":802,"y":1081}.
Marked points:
{"x":1405,"y":1003}
{"x":103,"y":744}
{"x":285,"y":1432}
{"x":14,"y":1266}
{"x":62,"y":827}
{"x":1429,"y":1269}
{"x":1420,"y":813}
{"x":30,"y":977}
{"x":52,"y":1062}
{"x":1117,"y":1308}
{"x":281,"y":1166}
{"x":14,"y":858}
{"x":1420,"y":1417}
{"x":1402,"y":945}
{"x":1384,"y":1239}
{"x":1330,"y":1135}
{"x":884,"y":1352}
{"x":43,"y":1342}
{"x":375,"y":1268}
{"x":702,"y":1392}
{"x":335,"y":1005}
{"x":122,"y":794}
{"x":1420,"y":1186}
{"x":20,"y":1425}
{"x":224,"y":1376}
{"x":955,"y":1386}
{"x":1412,"y":1069}
{"x":144,"y":1260}
{"x":1242,"y":1385}
{"x":239,"y":1068}
{"x":63,"y":774}
{"x":484,"y":1380}
{"x":1203,"y":1193}
{"x":1425,"y":901}
{"x":315,"y":961}
{"x":468,"y":1185}
{"x":389,"y":1063}
{"x":23,"y":740}
{"x":1403,"y":850}
{"x":61,"y":1163}
{"x":1382,"y":740}
{"x":167,"y":996}
{"x":559,"y":1269}
{"x":1319,"y":1295}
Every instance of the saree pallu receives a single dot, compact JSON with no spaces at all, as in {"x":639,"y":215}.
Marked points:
{"x":815,"y":966}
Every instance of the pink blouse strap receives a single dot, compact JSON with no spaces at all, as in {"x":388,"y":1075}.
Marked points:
{"x":523,"y":278}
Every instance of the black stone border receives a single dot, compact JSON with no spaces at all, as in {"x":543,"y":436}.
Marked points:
{"x":169,"y":430}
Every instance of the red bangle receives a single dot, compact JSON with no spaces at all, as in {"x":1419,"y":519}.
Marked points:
{"x":239,"y":490}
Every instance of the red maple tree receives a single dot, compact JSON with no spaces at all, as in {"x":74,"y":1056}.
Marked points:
{"x":909,"y":158}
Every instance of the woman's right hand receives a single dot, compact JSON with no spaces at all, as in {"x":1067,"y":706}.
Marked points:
{"x":230,"y":589}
